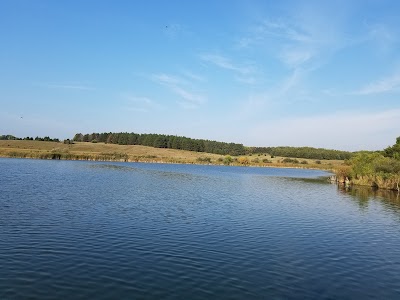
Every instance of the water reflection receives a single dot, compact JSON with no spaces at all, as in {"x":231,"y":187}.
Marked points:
{"x":110,"y":167}
{"x":145,"y":171}
{"x":316,"y":180}
{"x":364,"y":195}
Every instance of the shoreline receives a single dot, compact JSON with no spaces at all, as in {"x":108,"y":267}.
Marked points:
{"x":376,"y":181}
{"x":123,"y":157}
{"x":278,"y":166}
{"x":145,"y":154}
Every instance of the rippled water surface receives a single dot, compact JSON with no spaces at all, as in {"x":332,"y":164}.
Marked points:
{"x":79,"y":230}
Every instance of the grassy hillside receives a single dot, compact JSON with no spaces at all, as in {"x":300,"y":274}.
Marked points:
{"x":137,"y":153}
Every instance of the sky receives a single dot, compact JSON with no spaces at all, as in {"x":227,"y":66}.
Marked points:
{"x":260,"y":73}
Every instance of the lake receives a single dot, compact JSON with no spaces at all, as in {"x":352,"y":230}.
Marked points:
{"x":110,"y":230}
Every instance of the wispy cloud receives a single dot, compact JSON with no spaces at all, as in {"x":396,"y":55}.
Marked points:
{"x":297,"y":48}
{"x":283,"y":95}
{"x":385,"y":85}
{"x":187,"y":95}
{"x":303,"y":41}
{"x":296,"y":56}
{"x":225,"y":63}
{"x":187,"y":105}
{"x":291,"y":82}
{"x":67,"y":86}
{"x":140,"y":100}
{"x":193,"y":76}
{"x":283,"y":30}
{"x":245,"y":73}
{"x":182,"y":88}
{"x":296,"y":41}
{"x":168,"y":80}
{"x":383,"y":37}
{"x":139,"y":103}
{"x":251,"y":80}
{"x":276,"y":30}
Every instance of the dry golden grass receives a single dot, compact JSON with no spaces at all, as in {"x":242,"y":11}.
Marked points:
{"x":101,"y":151}
{"x":33,"y":149}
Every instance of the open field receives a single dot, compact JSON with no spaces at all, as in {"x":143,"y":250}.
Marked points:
{"x":136,"y":153}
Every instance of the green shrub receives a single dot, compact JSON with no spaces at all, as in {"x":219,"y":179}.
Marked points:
{"x":290,"y":160}
{"x":204,"y":159}
{"x":228,"y":160}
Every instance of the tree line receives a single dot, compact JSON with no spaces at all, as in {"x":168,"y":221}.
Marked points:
{"x":303,"y":152}
{"x":393,"y":151}
{"x":163,"y":141}
{"x":9,"y":137}
{"x":199,"y":145}
{"x":386,"y":161}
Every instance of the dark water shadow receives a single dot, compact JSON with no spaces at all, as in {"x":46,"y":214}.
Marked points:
{"x":315,"y":180}
{"x":152,"y":172}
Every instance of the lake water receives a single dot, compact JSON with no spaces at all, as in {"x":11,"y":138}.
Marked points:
{"x":109,"y":230}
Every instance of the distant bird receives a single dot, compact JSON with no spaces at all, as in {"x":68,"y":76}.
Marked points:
{"x":21,"y":117}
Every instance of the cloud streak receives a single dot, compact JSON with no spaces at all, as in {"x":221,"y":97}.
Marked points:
{"x":68,"y":87}
{"x":283,"y":30}
{"x":385,"y":85}
{"x":383,"y":36}
{"x":140,"y":104}
{"x":303,"y":37}
{"x":225,"y":63}
{"x":181,"y":88}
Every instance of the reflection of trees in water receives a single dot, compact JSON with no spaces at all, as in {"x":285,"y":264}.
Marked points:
{"x":363,"y":195}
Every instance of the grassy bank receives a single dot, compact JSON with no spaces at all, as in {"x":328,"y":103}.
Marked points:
{"x":389,"y":182}
{"x":374,"y":179}
{"x":137,"y":153}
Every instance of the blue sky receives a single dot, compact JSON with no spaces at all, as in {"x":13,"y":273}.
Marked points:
{"x":262,"y":73}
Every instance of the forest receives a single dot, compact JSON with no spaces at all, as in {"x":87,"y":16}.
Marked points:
{"x":200,"y":145}
{"x":163,"y":141}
